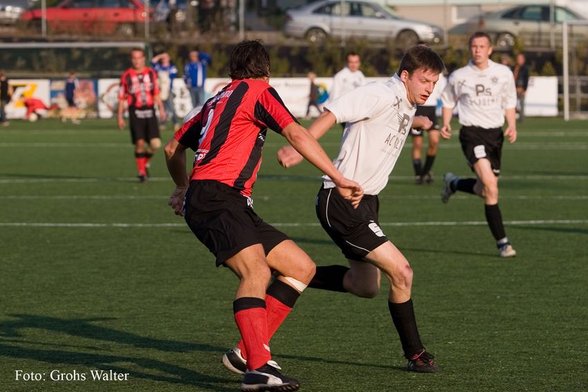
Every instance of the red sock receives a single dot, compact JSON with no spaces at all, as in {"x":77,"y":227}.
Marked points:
{"x":141,"y":162}
{"x":280,"y":298}
{"x":251,"y":320}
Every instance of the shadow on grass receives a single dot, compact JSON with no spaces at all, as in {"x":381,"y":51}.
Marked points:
{"x":12,"y":347}
{"x":556,"y":229}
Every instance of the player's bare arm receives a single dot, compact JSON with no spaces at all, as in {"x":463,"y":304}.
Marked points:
{"x":422,"y":122}
{"x":162,"y":112}
{"x":311,"y":150}
{"x":120,"y":117}
{"x":446,"y":128}
{"x":175,"y":158}
{"x":511,"y":125}
{"x":288,"y":156}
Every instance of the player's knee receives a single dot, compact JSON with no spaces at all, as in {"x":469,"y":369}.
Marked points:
{"x":403,"y":278}
{"x":155,"y":144}
{"x":305,"y":271}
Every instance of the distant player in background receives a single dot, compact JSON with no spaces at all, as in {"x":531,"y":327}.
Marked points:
{"x":166,"y":74}
{"x":140,"y":91}
{"x":71,"y":85}
{"x":521,"y":75}
{"x":228,"y":136}
{"x":347,"y":79}
{"x":422,"y":173}
{"x":486,"y":94}
{"x":195,"y":73}
{"x":379,"y":117}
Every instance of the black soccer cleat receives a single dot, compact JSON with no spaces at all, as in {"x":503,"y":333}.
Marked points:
{"x":422,"y":362}
{"x":268,"y":379}
{"x":142,"y":178}
{"x":234,"y":361}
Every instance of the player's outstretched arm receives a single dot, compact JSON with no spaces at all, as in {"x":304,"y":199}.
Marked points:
{"x":288,"y":156}
{"x":311,"y":150}
{"x":175,"y":158}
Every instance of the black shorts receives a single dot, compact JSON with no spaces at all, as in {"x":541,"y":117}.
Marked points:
{"x":143,"y":123}
{"x":427,"y":111}
{"x":479,"y":143}
{"x":222,"y":219}
{"x":355,"y":231}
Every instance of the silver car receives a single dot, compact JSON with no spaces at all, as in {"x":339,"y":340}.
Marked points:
{"x":530,"y":24}
{"x":357,"y":18}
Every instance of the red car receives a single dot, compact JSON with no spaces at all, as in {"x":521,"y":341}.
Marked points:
{"x":98,"y":17}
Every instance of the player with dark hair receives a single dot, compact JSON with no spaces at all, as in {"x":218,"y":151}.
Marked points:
{"x":140,"y":90}
{"x":379,"y":117}
{"x":228,"y":135}
{"x":486,"y":94}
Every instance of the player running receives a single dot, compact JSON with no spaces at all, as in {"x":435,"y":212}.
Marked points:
{"x":486,"y":94}
{"x":379,"y":117}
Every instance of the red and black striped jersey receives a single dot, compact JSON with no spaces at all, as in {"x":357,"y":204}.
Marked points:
{"x":139,"y":87}
{"x":229,"y":132}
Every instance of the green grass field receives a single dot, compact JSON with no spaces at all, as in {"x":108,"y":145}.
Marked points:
{"x":96,"y":273}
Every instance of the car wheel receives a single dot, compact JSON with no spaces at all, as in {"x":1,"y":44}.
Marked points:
{"x":407,"y":38}
{"x":316,"y":35}
{"x":505,"y":41}
{"x":126,"y":30}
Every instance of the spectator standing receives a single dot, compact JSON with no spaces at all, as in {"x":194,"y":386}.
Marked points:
{"x":313,"y":96}
{"x":521,"y":76}
{"x":5,"y":96}
{"x":71,"y":85}
{"x":140,"y":91}
{"x":166,"y":73}
{"x":195,"y":72}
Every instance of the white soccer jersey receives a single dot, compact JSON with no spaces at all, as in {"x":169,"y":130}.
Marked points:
{"x":345,"y":81}
{"x":481,"y":95}
{"x":378,"y":117}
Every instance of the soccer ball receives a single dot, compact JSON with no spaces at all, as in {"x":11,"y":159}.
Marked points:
{"x":33,"y":117}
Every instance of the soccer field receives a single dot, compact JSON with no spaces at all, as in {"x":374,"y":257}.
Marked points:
{"x":98,"y":275}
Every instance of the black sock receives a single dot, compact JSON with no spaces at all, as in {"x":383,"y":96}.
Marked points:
{"x":283,"y":293}
{"x":465,"y":185}
{"x":494,"y":219}
{"x":417,"y":165}
{"x":428,"y":164}
{"x":405,"y":323}
{"x":329,"y":278}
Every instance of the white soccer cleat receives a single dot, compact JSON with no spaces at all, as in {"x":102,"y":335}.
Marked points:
{"x":507,"y":251}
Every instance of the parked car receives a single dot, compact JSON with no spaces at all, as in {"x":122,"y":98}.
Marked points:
{"x":360,"y":18}
{"x":123,"y":17}
{"x":10,"y":10}
{"x":531,"y":24}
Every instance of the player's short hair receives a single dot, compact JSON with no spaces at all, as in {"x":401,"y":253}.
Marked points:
{"x":420,"y":56}
{"x":249,"y":59}
{"x":480,"y":34}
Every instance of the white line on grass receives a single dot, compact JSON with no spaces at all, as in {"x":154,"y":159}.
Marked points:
{"x":285,"y":177}
{"x":540,"y":222}
{"x":382,"y":197}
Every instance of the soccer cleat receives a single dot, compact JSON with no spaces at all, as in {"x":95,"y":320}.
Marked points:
{"x":507,"y":250}
{"x":268,"y":379}
{"x":448,"y":179}
{"x":142,"y":178}
{"x":428,"y":178}
{"x":422,"y":362}
{"x":234,"y":361}
{"x":418,"y":180}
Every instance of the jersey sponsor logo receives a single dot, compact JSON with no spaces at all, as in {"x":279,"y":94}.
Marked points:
{"x":482,"y":90}
{"x":480,"y":151}
{"x":376,"y":229}
{"x":200,"y":154}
